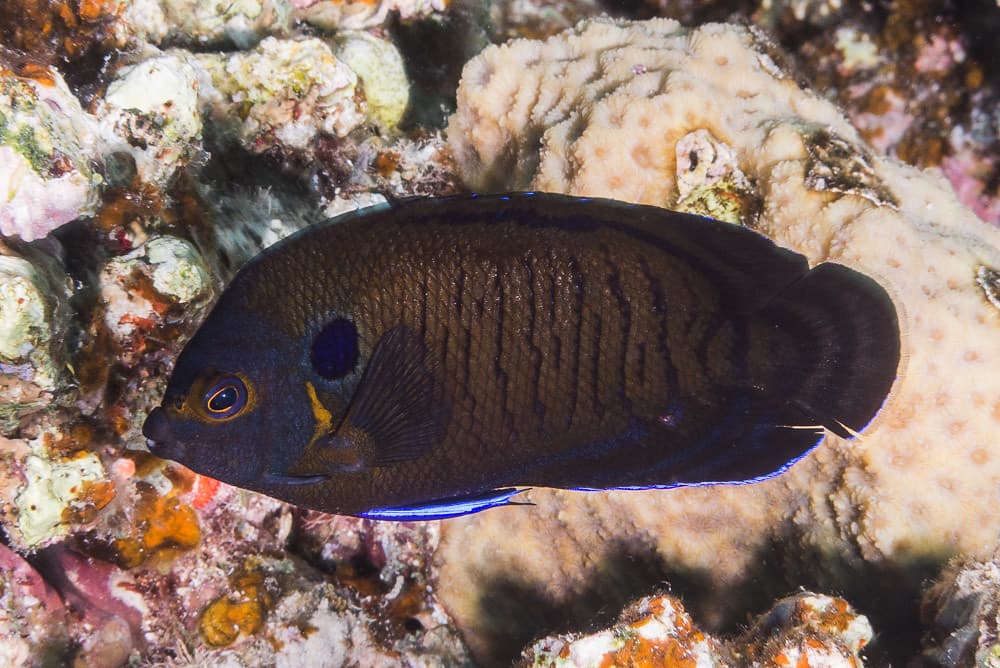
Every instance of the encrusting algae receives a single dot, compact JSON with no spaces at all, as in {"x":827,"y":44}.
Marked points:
{"x":161,"y":526}
{"x":239,"y":611}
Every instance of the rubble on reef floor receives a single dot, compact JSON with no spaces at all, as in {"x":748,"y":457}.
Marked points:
{"x":962,"y":614}
{"x":150,"y":147}
{"x":216,"y":576}
{"x":806,"y":630}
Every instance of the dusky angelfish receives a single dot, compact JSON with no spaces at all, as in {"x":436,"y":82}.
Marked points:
{"x":433,"y":357}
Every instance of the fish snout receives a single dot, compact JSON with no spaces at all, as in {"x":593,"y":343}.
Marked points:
{"x":161,"y":443}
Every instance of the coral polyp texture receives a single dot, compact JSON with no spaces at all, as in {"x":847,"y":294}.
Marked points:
{"x":653,"y":112}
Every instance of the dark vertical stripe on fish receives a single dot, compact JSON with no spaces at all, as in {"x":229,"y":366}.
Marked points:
{"x":576,"y":332}
{"x":535,"y":362}
{"x":423,"y":304}
{"x":664,"y":364}
{"x":595,"y":381}
{"x":625,"y":311}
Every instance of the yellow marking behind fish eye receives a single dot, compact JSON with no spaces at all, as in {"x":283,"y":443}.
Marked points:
{"x":323,"y":417}
{"x":322,"y":460}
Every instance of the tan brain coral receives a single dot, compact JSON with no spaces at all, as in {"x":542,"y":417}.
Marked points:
{"x":634,"y":111}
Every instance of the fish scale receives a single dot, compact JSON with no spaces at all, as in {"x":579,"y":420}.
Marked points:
{"x":584,"y":365}
{"x":588,"y":365}
{"x":523,"y":340}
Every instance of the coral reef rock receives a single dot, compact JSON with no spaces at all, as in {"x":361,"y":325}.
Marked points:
{"x":185,"y":571}
{"x":32,"y":616}
{"x":56,"y":487}
{"x":633,"y":110}
{"x":159,"y":282}
{"x":806,"y":630}
{"x":362,"y":14}
{"x":282,"y":93}
{"x":913,"y":80}
{"x":652,"y":631}
{"x":963,"y":612}
{"x":34,"y":318}
{"x":380,"y":67}
{"x":803,"y":630}
{"x":47,"y":146}
{"x":242,"y":23}
{"x":151,"y":111}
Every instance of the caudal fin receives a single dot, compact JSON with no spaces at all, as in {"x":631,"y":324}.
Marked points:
{"x":830,"y":348}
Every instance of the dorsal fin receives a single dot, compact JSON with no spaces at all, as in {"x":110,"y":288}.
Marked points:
{"x":751,"y":267}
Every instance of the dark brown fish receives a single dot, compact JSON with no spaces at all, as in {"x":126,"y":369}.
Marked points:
{"x":428,"y":358}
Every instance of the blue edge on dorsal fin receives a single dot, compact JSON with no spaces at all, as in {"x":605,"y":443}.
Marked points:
{"x":444,"y":508}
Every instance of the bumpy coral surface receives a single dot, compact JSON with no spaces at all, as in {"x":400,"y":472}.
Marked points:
{"x":633,"y":111}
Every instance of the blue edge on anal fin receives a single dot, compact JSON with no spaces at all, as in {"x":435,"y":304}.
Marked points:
{"x":442,"y":509}
{"x":710,"y":483}
{"x":473,"y":503}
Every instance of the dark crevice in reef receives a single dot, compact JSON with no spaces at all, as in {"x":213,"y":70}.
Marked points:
{"x":434,"y":52}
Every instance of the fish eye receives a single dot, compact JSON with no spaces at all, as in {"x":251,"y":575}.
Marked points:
{"x":226,"y":398}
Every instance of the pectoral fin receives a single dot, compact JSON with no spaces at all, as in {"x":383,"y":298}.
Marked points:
{"x":398,"y":412}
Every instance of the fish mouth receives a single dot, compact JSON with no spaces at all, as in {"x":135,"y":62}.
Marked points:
{"x":285,"y":479}
{"x":160,"y":440}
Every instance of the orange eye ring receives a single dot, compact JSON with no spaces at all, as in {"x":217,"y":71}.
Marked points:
{"x":226,"y":398}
